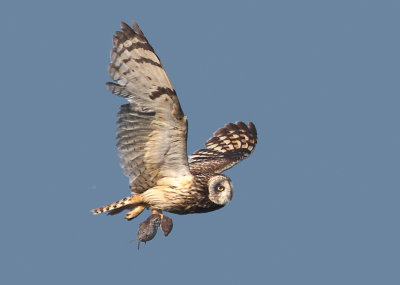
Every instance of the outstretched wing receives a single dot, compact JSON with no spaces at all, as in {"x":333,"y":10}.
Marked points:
{"x":228,"y":146}
{"x":152,"y":129}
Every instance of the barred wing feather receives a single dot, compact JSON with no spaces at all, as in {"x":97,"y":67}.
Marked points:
{"x":152,"y":129}
{"x":228,"y":146}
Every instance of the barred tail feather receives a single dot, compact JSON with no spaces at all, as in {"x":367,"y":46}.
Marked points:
{"x":112,"y":206}
{"x":119,"y":206}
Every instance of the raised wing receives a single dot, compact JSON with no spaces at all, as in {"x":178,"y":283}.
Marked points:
{"x":152,"y":130}
{"x":228,"y":146}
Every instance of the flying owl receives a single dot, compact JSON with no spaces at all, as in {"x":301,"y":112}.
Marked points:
{"x":152,"y":137}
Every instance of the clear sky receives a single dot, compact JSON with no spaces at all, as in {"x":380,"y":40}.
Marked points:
{"x":316,"y":203}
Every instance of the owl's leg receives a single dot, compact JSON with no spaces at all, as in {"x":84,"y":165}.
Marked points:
{"x":156,"y":211}
{"x":135,"y":212}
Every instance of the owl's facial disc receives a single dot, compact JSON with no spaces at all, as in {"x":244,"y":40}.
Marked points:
{"x":220,"y":189}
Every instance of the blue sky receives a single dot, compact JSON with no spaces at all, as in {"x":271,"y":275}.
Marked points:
{"x":318,"y":201}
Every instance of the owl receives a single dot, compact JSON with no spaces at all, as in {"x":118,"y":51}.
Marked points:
{"x":152,"y":137}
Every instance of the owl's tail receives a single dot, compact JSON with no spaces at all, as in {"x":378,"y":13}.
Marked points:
{"x":132,"y":203}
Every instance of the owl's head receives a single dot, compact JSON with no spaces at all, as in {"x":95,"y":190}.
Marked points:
{"x":220,"y":189}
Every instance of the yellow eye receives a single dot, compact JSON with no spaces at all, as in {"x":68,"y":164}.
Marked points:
{"x":220,"y":188}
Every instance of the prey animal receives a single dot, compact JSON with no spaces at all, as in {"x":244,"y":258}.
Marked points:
{"x":152,"y":137}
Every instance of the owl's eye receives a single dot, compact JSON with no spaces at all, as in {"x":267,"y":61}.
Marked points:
{"x":220,"y":188}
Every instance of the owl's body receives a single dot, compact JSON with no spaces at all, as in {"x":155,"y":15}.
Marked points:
{"x":151,"y":141}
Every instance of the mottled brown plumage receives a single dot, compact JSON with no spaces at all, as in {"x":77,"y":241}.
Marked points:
{"x":228,"y":146}
{"x":148,"y":229}
{"x":166,"y":225}
{"x":152,"y":137}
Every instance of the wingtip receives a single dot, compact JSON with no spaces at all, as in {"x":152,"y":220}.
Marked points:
{"x":123,"y":25}
{"x":137,"y":28}
{"x":127,"y":30}
{"x":252,"y":128}
{"x":241,"y":125}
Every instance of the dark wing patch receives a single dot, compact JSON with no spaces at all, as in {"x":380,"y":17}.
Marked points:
{"x":228,"y":146}
{"x":139,"y":74}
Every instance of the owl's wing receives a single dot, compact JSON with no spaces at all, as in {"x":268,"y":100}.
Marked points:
{"x":152,"y":129}
{"x":228,"y":146}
